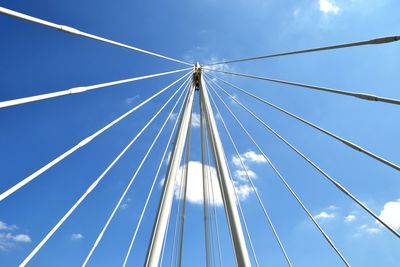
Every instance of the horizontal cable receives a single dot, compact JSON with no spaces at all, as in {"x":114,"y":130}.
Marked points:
{"x":80,"y":89}
{"x":333,"y":181}
{"x":283,"y":180}
{"x":271,"y":224}
{"x":363,"y":96}
{"x":153,"y":184}
{"x":381,"y":40}
{"x":93,"y":186}
{"x":82,"y":143}
{"x":100,"y":236}
{"x":344,"y":141}
{"x":74,"y":31}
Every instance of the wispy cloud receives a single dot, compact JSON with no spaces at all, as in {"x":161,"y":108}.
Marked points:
{"x":323,"y":215}
{"x":350,"y":218}
{"x":130,"y":100}
{"x":195,"y":120}
{"x":76,"y":236}
{"x":8,"y":239}
{"x":248,"y":157}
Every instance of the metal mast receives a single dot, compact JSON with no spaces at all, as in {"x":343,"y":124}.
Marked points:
{"x":228,"y":194}
{"x":164,"y":209}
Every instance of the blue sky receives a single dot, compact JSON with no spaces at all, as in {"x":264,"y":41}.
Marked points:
{"x":38,"y":60}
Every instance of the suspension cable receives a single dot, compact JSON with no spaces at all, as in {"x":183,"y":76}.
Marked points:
{"x":155,"y":177}
{"x":91,"y":188}
{"x":100,"y":236}
{"x":333,"y":181}
{"x":205,"y":189}
{"x":381,"y":40}
{"x":362,"y":96}
{"x":252,"y":183}
{"x":177,"y":218}
{"x":214,"y":211}
{"x":183,"y":211}
{"x":74,"y":31}
{"x":80,"y":89}
{"x":344,"y":141}
{"x":283,"y":180}
{"x":82,"y":143}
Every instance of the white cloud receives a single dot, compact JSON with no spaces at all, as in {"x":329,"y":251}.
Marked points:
{"x":243,"y":191}
{"x":349,"y":218}
{"x":249,"y":156}
{"x":195,"y":120}
{"x":241,"y":174}
{"x":390,"y":214}
{"x":6,"y":227}
{"x":77,"y":236}
{"x":328,"y":6}
{"x":9,"y":240}
{"x":195,"y":183}
{"x":324,"y":216}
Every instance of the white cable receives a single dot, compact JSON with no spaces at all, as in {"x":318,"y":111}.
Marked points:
{"x":81,"y":33}
{"x":80,"y":144}
{"x":252,"y":183}
{"x":80,"y":89}
{"x":154,"y":181}
{"x":89,"y":190}
{"x":100,"y":236}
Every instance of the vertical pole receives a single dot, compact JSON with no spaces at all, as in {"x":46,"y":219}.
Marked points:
{"x":228,"y":195}
{"x":164,"y":209}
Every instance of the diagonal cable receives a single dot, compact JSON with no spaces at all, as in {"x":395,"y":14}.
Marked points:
{"x":283,"y":180}
{"x":92,"y":187}
{"x":344,"y":141}
{"x":327,"y":176}
{"x":100,"y":236}
{"x":80,"y":89}
{"x":271,"y":224}
{"x":74,"y":31}
{"x":82,"y":143}
{"x":362,"y":96}
{"x":154,"y":180}
{"x":381,"y":40}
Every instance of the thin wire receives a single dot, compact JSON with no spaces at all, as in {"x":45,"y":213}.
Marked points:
{"x":215,"y":220}
{"x":182,"y":226}
{"x":333,"y":181}
{"x":213,"y":197}
{"x":177,"y":218}
{"x":381,"y":40}
{"x":82,"y":143}
{"x":84,"y":34}
{"x":283,"y":180}
{"x":156,"y":175}
{"x":237,"y":197}
{"x":344,"y":141}
{"x":100,"y":236}
{"x":80,"y":89}
{"x":252,"y":184}
{"x":91,"y":188}
{"x":362,"y":96}
{"x":205,"y":189}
